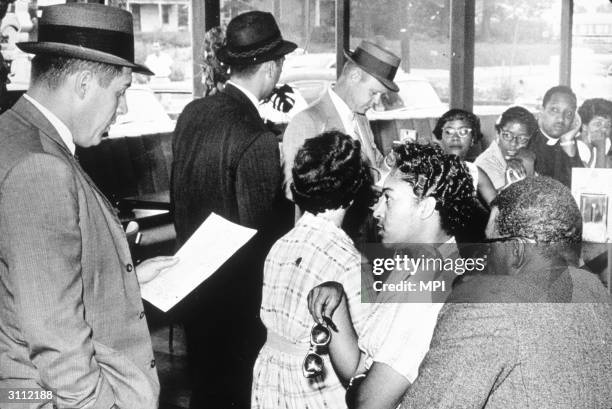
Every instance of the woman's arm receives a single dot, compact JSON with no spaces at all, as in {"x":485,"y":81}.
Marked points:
{"x":328,"y":299}
{"x":485,"y":187}
{"x":343,"y":349}
{"x":383,"y":388}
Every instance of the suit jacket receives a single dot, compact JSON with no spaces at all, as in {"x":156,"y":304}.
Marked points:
{"x":227,"y":161}
{"x":72,"y":317}
{"x":552,"y":161}
{"x":322,"y":116}
{"x":500,"y":343}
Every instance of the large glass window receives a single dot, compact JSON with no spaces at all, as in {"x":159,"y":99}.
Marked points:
{"x":517,"y":51}
{"x":592,"y":49}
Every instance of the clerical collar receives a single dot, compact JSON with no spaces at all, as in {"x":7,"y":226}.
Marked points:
{"x":549,"y":141}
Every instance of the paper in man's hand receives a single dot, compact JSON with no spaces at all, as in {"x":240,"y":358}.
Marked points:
{"x":215,"y":241}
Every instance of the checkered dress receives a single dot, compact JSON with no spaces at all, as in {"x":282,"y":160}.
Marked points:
{"x":313,"y":252}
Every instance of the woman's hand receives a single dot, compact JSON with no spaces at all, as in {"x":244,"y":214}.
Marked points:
{"x":151,"y":268}
{"x":324,"y":299}
{"x":515,"y":171}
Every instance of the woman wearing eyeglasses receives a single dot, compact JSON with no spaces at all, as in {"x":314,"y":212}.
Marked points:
{"x":594,"y":142}
{"x":456,"y":132}
{"x":515,"y":129}
{"x":328,"y":176}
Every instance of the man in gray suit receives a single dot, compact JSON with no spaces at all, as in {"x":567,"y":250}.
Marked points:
{"x":368,"y":73}
{"x":71,"y":316}
{"x":533,"y":332}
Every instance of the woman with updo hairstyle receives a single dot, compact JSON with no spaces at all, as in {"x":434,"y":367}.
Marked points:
{"x":328,"y":176}
{"x":515,"y":128}
{"x":595,"y":134}
{"x":427,"y":198}
{"x":456,"y":132}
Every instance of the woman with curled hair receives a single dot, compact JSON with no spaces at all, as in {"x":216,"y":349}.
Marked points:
{"x":328,"y":176}
{"x":515,"y":128}
{"x":595,"y":134}
{"x":427,"y":198}
{"x":456,"y":132}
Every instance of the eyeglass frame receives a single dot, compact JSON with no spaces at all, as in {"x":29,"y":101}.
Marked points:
{"x":521,"y":139}
{"x":456,"y":131}
{"x":313,"y":350}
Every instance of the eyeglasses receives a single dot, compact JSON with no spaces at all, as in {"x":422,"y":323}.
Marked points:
{"x":463,"y":132}
{"x":320,"y":337}
{"x":509,"y":137}
{"x":489,"y":242}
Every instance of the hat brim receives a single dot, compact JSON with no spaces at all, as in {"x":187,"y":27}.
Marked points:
{"x":73,"y":51}
{"x":284,"y":48}
{"x":390,"y":85}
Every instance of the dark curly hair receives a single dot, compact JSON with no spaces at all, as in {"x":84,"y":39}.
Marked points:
{"x":595,"y":107}
{"x":328,"y":172}
{"x":459,"y":115}
{"x":519,"y":115}
{"x":539,"y":208}
{"x":432,"y":173}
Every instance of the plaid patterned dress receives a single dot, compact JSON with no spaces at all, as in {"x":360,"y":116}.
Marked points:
{"x":313,"y":252}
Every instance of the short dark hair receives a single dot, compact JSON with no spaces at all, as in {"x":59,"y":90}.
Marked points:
{"x":248,"y":70}
{"x":459,"y":115}
{"x":559,"y":89}
{"x":595,"y":107}
{"x":432,"y":173}
{"x":328,"y":172}
{"x":53,"y":70}
{"x":539,"y":208}
{"x":519,"y":115}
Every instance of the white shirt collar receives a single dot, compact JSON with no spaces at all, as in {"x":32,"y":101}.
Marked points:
{"x":57,"y":123}
{"x":549,"y":141}
{"x":346,"y":114}
{"x":248,"y":94}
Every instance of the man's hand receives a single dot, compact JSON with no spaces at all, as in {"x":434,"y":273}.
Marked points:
{"x":151,"y":268}
{"x":324,"y":299}
{"x":568,"y":139}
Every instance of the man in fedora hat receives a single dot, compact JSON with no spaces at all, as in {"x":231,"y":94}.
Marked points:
{"x":72,"y":319}
{"x":367,"y":74}
{"x":226,"y":161}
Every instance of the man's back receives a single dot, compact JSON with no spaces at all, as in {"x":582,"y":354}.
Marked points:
{"x":519,"y":352}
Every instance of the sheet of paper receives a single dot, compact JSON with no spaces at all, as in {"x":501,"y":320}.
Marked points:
{"x":206,"y":250}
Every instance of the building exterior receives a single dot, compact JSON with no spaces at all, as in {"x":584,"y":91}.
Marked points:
{"x":164,"y":15}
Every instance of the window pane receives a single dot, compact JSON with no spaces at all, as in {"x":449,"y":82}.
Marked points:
{"x":591,"y":46}
{"x":517,"y":51}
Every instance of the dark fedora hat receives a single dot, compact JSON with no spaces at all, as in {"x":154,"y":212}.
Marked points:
{"x":376,"y":61}
{"x":86,"y":31}
{"x":252,"y":38}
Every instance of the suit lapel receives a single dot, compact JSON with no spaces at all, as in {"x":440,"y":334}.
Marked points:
{"x":29,"y":113}
{"x":329,"y":114}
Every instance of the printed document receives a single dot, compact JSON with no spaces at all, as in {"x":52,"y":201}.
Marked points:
{"x":215,"y":241}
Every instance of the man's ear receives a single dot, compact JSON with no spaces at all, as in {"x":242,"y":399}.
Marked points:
{"x":83,"y":82}
{"x":518,"y":254}
{"x":355,"y":75}
{"x":427,"y":207}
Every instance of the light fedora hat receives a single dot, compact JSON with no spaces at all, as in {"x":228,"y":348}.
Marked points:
{"x":252,"y":38}
{"x":376,"y":61}
{"x":86,"y":31}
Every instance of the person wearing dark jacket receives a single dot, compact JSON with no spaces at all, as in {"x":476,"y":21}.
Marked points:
{"x":227,"y":162}
{"x":555,"y":141}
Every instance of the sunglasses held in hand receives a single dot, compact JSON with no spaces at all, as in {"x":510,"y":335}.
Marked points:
{"x":320,"y":337}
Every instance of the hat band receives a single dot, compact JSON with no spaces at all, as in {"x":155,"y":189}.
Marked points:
{"x":117,"y":43}
{"x":255,"y":52}
{"x":374,"y":64}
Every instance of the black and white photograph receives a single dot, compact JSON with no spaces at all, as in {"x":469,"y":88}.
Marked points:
{"x":305,"y":204}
